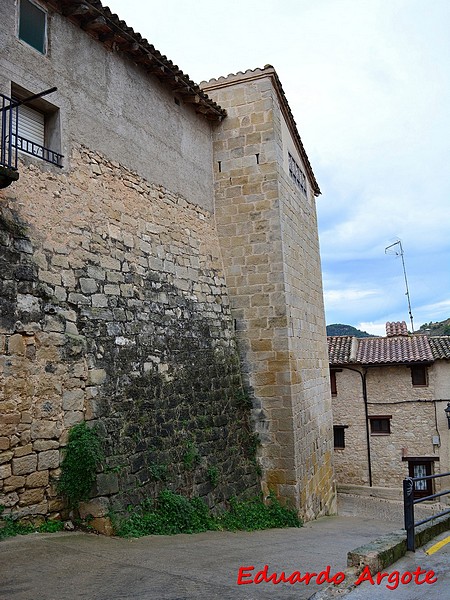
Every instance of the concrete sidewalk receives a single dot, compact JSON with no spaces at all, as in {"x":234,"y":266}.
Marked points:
{"x":75,"y":566}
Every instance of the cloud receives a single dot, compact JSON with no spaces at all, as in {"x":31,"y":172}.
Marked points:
{"x":378,"y":329}
{"x":371,"y":100}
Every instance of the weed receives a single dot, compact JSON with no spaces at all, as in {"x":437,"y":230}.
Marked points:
{"x":253,"y":514}
{"x":51,"y":527}
{"x":171,"y":513}
{"x":158,"y":472}
{"x":191,"y":456}
{"x":10,"y":526}
{"x":243,"y":400}
{"x":213,"y":476}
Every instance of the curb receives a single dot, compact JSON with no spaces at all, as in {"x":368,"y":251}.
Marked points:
{"x":379,"y":554}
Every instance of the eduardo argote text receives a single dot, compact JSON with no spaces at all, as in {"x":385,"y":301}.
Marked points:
{"x":247,"y":575}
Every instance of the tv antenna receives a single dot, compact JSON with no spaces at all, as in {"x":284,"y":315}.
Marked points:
{"x":399,"y":252}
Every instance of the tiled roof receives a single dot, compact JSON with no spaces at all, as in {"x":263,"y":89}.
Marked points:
{"x":394,"y":350}
{"x":398,"y":347}
{"x":440,"y":346}
{"x":107,"y":28}
{"x":396,"y":328}
{"x":339,"y":349}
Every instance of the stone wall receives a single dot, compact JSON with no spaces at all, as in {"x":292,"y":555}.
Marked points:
{"x":306,"y":333}
{"x":417,"y":416}
{"x":268,"y":236}
{"x":114,"y":310}
{"x":107,"y":102}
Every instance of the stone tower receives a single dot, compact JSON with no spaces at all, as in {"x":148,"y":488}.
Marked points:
{"x":266,"y":219}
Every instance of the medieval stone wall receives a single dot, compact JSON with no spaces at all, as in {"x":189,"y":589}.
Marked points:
{"x":269,"y":242}
{"x":110,"y":104}
{"x":114,"y":310}
{"x":306,"y":333}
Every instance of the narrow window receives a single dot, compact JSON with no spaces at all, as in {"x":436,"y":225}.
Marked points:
{"x":419,"y":375}
{"x":33,"y":25}
{"x":297,"y":175}
{"x":380,"y":425}
{"x":333,"y":383}
{"x":339,"y":435}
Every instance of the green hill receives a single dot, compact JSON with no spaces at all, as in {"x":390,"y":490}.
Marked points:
{"x":437,"y":328}
{"x":338,"y":329}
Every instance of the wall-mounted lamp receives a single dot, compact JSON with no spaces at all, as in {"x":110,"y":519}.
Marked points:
{"x":447,"y":412}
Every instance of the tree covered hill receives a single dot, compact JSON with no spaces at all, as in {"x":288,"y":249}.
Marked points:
{"x":437,"y":328}
{"x":339,"y":329}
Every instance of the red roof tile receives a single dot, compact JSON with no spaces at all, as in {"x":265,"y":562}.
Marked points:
{"x":394,"y":350}
{"x":339,"y":349}
{"x":396,"y":328}
{"x":440,"y":346}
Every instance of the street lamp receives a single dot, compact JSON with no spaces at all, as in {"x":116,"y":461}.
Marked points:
{"x":447,"y":412}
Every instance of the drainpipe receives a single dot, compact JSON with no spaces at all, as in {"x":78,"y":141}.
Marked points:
{"x":363,"y":376}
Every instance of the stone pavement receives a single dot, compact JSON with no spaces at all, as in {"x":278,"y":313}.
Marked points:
{"x":75,"y":566}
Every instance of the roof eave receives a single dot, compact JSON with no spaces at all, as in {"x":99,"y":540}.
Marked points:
{"x":99,"y":22}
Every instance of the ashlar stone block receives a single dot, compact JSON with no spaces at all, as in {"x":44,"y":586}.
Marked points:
{"x":24,"y":465}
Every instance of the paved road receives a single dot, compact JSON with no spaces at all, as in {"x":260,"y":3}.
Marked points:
{"x":439,"y":562}
{"x":77,"y":566}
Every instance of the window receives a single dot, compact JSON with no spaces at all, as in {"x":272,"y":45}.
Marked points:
{"x":38,"y":130}
{"x":419,"y":375}
{"x":380,"y":425}
{"x":297,"y":174}
{"x":33,"y":25}
{"x":339,"y":435}
{"x":333,"y":383}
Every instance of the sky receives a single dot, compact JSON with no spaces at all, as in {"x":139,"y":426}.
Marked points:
{"x":368,"y":82}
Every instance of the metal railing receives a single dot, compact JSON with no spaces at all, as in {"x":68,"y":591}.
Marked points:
{"x":409,"y":502}
{"x":10,"y":140}
{"x":8,"y":128}
{"x":29,"y":147}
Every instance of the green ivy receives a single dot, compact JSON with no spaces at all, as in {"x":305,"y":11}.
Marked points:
{"x":82,"y":456}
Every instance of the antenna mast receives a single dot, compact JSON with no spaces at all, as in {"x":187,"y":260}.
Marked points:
{"x":400,"y":253}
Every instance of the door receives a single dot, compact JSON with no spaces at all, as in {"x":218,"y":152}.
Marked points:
{"x":421,"y":469}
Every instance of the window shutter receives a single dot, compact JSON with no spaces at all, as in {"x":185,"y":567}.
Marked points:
{"x":31,"y":125}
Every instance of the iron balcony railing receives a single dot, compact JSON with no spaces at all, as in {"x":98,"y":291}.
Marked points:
{"x":8,"y":152}
{"x":11,"y":142}
{"x":409,"y":501}
{"x":29,"y":147}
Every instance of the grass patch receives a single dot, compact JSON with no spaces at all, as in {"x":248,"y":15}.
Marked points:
{"x":10,"y":527}
{"x":171,"y":513}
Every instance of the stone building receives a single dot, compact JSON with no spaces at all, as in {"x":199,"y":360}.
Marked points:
{"x":159,"y":270}
{"x":390,"y":396}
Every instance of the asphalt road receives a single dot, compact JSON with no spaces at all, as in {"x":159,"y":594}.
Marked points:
{"x":77,"y":566}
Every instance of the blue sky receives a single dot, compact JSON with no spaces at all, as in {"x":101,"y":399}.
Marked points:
{"x":368,"y":82}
